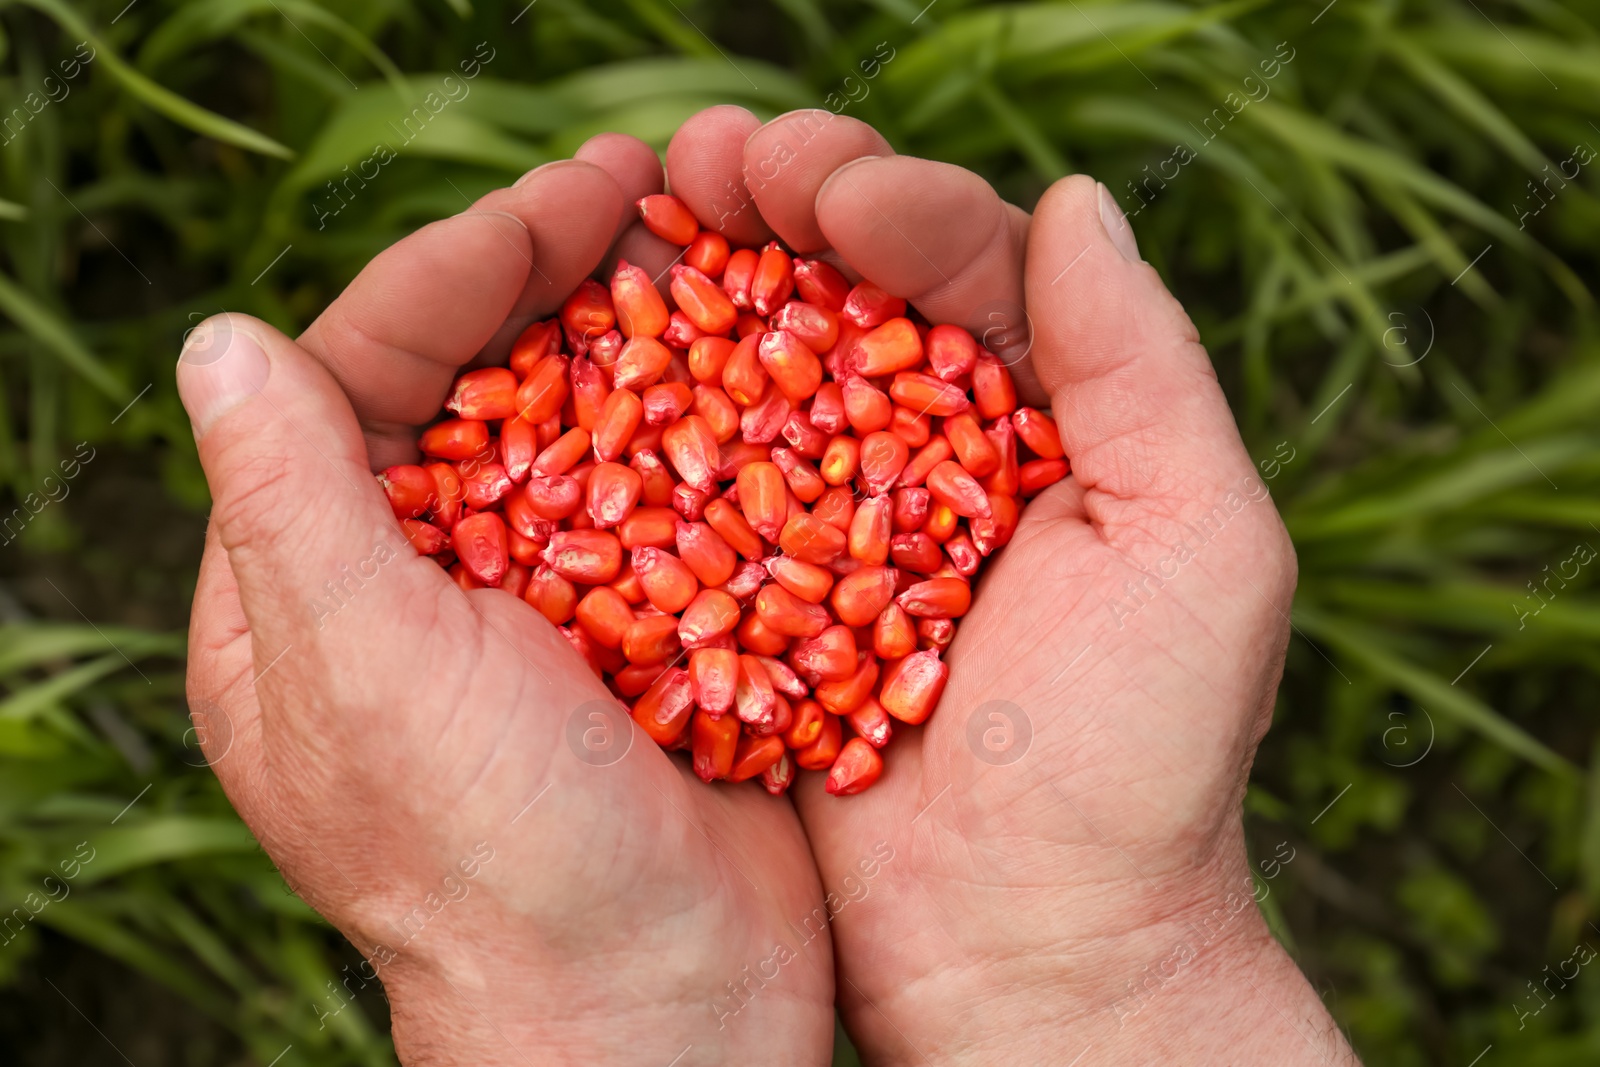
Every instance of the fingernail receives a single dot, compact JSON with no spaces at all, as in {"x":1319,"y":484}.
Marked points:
{"x":1116,"y":226}
{"x":219,"y":368}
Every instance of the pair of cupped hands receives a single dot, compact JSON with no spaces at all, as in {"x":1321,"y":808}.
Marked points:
{"x":1052,"y":867}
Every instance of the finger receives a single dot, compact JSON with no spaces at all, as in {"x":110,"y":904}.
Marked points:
{"x":632,"y":164}
{"x":1134,"y":393}
{"x":294,"y":503}
{"x":787,"y":161}
{"x":705,"y":169}
{"x":572,"y":209}
{"x":426,"y":306}
{"x":939,"y":236}
{"x":222,"y":704}
{"x":639,"y":173}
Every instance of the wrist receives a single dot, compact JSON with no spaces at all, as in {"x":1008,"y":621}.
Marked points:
{"x":513,"y":997}
{"x":1184,"y":970}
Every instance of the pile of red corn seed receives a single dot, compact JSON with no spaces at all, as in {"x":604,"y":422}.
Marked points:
{"x":755,"y":516}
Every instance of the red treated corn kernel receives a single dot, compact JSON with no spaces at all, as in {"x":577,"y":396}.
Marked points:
{"x":613,"y":493}
{"x":519,"y":446}
{"x":563,"y":453}
{"x":709,"y":556}
{"x":784,"y":613}
{"x":883,"y":457}
{"x":533,"y":344}
{"x":894,"y":635}
{"x":691,"y":448}
{"x":811,"y":540}
{"x":935,"y":633}
{"x":836,"y":507}
{"x":911,"y":504}
{"x":804,"y":437}
{"x":830,"y":655}
{"x":738,"y":274}
{"x":840,"y":460}
{"x":952,"y":353}
{"x":993,"y":393}
{"x":651,"y":639}
{"x":772,"y":281}
{"x":821,"y":284}
{"x":528,"y":552}
{"x":587,"y":314}
{"x":928,"y":395}
{"x":754,"y":700}
{"x":455,"y":439}
{"x":1037,"y":475}
{"x":820,"y":754}
{"x":958,"y":490}
{"x":714,"y":673}
{"x":489,"y":393}
{"x":816,"y":327}
{"x":668,"y":218}
{"x":410,"y":490}
{"x":590,"y":556}
{"x":479,"y":542}
{"x":867,"y":407}
{"x":857,"y":766}
{"x":912,"y":427}
{"x":744,"y":379}
{"x":807,"y":581}
{"x":937,"y":598}
{"x":778,"y":777}
{"x":755,"y":636}
{"x":827,"y":409}
{"x":642,"y":362}
{"x":972,"y":447}
{"x":929,"y":456}
{"x":708,"y":253}
{"x":871,"y":723}
{"x":544,"y":390}
{"x":707,"y":358}
{"x":753,"y":756}
{"x":867,"y":305}
{"x":844,"y":695}
{"x":551,"y":595}
{"x":710,"y":615}
{"x":486,"y":486}
{"x":912,"y":686}
{"x":727,"y":521}
{"x":762,"y":422}
{"x":665,"y":401}
{"x":801,"y":477}
{"x":640,"y":310}
{"x":713,"y":744}
{"x":1038,"y":431}
{"x":667,"y":581}
{"x":916,"y":552}
{"x":427,"y":539}
{"x":793,"y":367}
{"x":605,"y":614}
{"x":702,"y":300}
{"x":893,"y":346}
{"x":664,"y":709}
{"x":942,"y":523}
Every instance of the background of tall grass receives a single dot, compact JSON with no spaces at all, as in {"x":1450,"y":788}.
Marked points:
{"x":1413,"y":360}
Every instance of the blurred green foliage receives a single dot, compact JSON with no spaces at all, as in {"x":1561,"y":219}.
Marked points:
{"x":1378,"y":212}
